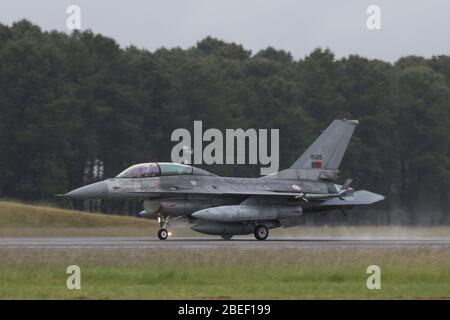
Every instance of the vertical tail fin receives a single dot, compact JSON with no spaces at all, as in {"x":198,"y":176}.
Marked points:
{"x":327,"y":150}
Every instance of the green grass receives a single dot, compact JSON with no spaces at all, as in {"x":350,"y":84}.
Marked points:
{"x":203,"y":274}
{"x":226,"y":274}
{"x":17,"y":219}
{"x":13,"y":214}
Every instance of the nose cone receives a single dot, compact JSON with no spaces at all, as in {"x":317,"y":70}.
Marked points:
{"x":96,"y":190}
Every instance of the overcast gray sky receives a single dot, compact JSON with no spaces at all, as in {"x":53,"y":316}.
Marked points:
{"x":420,"y":27}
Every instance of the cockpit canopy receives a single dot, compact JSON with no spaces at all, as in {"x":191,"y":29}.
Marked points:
{"x":153,"y":169}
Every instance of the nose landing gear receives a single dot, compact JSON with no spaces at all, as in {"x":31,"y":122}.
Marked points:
{"x":163,"y":234}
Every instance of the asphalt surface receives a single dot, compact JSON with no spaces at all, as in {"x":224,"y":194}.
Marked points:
{"x":216,"y":243}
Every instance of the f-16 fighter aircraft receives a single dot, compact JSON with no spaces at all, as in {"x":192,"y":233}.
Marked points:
{"x":179,"y":194}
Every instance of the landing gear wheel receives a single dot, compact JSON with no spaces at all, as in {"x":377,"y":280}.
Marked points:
{"x":226,"y":236}
{"x":261,"y":232}
{"x":163,"y":234}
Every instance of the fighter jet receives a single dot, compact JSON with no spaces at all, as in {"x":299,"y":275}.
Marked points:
{"x":182,"y":195}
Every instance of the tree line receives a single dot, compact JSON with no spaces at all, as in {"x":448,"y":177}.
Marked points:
{"x":79,"y":108}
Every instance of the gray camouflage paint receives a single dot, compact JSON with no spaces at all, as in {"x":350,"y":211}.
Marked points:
{"x":231,"y":205}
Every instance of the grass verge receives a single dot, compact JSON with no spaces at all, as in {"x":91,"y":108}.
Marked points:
{"x":407,"y":273}
{"x":23,"y":220}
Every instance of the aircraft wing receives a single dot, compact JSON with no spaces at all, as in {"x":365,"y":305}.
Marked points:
{"x":260,"y":193}
{"x":309,"y":196}
{"x":359,"y":197}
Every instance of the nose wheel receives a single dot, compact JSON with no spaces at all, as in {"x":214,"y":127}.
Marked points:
{"x":163,"y":234}
{"x":261,"y":232}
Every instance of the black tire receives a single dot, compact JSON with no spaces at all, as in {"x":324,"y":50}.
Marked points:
{"x":261,"y":232}
{"x":226,"y":236}
{"x":163,"y":234}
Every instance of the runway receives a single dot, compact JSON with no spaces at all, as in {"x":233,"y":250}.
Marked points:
{"x":217,"y":243}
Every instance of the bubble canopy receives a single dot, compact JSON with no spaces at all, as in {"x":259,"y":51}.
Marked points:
{"x":153,"y":169}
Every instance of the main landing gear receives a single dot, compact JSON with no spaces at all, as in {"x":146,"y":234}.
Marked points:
{"x":261,"y":232}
